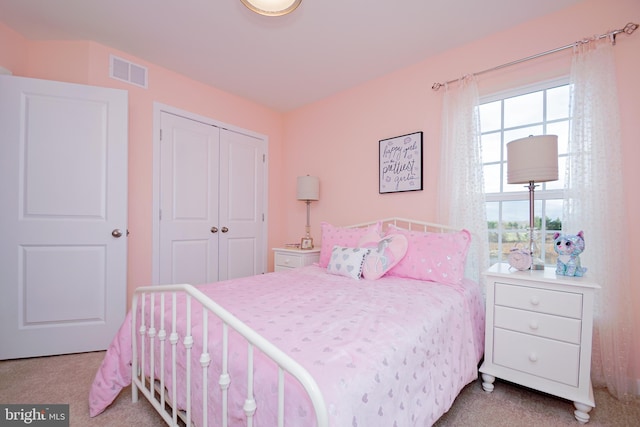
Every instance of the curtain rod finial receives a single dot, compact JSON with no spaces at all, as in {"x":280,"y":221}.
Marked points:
{"x":436,"y":86}
{"x":630,"y":28}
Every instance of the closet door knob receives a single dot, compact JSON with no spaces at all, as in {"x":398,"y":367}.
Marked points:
{"x":214,"y":229}
{"x":116,"y":233}
{"x":225,"y":229}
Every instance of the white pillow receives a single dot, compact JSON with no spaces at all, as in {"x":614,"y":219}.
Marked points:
{"x":347,"y":261}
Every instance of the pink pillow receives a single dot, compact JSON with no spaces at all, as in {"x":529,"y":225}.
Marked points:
{"x":436,"y":257}
{"x":341,"y":236}
{"x":385,"y":253}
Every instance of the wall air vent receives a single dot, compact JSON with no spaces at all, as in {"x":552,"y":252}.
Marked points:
{"x":126,"y":71}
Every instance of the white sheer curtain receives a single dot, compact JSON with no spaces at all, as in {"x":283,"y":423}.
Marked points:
{"x":594,"y":203}
{"x":461,"y":186}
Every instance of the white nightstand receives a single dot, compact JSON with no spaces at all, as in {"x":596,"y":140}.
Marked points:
{"x":285,"y":259}
{"x":539,"y":332}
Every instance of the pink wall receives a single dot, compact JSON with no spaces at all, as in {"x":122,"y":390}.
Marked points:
{"x":337,"y":138}
{"x":13,"y":54}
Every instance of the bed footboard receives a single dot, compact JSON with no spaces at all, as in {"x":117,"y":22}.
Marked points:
{"x":154,"y":336}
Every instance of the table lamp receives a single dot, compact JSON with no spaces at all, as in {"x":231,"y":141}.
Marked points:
{"x":308,"y":189}
{"x":530,"y":160}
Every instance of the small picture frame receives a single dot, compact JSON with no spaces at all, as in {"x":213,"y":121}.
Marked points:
{"x":306,"y":243}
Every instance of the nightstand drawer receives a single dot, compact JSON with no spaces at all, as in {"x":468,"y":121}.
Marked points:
{"x":288,"y":260}
{"x":539,"y":324}
{"x":541,"y":300}
{"x":545,"y":358}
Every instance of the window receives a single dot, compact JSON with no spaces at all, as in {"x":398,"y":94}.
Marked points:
{"x":534,"y":110}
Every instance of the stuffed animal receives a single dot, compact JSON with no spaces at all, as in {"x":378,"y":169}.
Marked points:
{"x":569,"y":247}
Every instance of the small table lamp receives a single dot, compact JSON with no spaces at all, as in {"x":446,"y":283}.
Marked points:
{"x":308,"y":189}
{"x":530,"y":160}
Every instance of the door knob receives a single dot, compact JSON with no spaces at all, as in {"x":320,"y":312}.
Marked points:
{"x":116,"y":233}
{"x":214,"y":229}
{"x":225,"y":229}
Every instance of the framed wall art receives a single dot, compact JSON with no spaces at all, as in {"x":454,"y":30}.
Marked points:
{"x":401,"y":163}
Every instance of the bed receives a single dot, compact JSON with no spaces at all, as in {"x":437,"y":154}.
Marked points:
{"x":319,"y":345}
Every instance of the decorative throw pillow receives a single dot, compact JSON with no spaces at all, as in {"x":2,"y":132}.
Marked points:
{"x":436,"y":257}
{"x":341,"y":236}
{"x":384,"y":254}
{"x":347,"y":261}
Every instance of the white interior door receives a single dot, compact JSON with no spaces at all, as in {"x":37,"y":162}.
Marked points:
{"x":241,"y":208}
{"x":63,"y":192}
{"x":211,"y":191}
{"x":189,"y":157}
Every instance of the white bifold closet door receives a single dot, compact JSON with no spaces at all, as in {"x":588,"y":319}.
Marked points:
{"x":63,"y":221}
{"x":211,"y":224}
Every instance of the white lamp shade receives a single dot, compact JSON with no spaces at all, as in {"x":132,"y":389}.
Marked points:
{"x":534,"y":158}
{"x":308,"y":188}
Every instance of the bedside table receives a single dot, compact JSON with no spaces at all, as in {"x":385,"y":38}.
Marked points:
{"x":539,"y":333}
{"x":285,"y":259}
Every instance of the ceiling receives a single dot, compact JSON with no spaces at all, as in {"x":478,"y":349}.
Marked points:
{"x":323,"y":47}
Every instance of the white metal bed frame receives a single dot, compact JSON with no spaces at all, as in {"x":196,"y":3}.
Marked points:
{"x":154,"y":389}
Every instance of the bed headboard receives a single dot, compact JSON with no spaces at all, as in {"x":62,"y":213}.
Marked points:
{"x":472,"y":263}
{"x":410,"y":224}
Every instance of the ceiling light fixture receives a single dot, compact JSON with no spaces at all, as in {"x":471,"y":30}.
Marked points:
{"x":272,"y":7}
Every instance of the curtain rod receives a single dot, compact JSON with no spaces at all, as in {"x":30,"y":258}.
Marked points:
{"x":628,"y":29}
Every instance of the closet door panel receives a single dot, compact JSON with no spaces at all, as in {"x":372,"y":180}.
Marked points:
{"x":189,"y":157}
{"x":242,"y":163}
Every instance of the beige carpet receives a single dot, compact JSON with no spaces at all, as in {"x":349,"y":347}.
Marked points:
{"x":66,"y":379}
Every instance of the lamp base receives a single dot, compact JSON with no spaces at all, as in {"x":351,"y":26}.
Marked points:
{"x":537,"y":264}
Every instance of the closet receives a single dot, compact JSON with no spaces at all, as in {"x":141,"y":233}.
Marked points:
{"x":211,"y":222}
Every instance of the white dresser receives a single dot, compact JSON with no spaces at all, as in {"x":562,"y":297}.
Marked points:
{"x":284,"y":258}
{"x":539,"y":333}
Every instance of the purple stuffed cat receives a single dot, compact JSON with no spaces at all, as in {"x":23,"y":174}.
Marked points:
{"x":569,"y":247}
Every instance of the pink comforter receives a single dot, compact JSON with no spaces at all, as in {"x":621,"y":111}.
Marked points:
{"x":390,"y":352}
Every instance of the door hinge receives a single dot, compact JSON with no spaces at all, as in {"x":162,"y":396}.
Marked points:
{"x":160,"y":214}
{"x":264,"y":158}
{"x":262,"y":217}
{"x":160,"y":134}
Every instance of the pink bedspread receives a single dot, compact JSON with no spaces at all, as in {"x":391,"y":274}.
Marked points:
{"x":390,"y":352}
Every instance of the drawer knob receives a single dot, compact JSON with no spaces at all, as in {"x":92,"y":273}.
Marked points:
{"x":533,"y":325}
{"x":286,"y":261}
{"x":535,"y":300}
{"x":533,"y":357}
